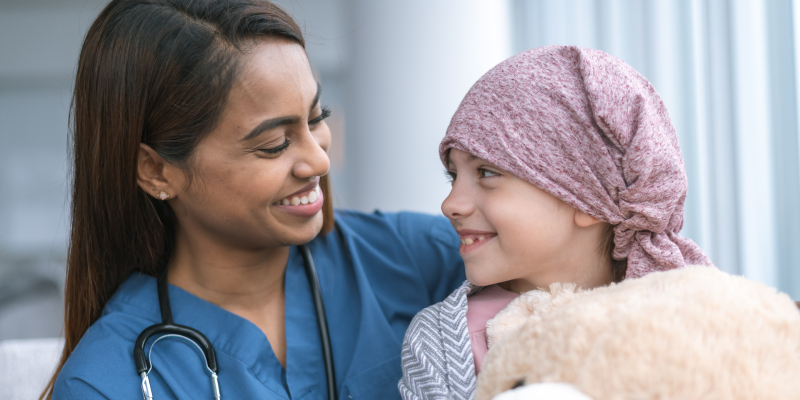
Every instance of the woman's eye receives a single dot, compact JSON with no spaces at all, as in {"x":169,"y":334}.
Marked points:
{"x":485,"y":173}
{"x":278,"y":149}
{"x":326,"y":112}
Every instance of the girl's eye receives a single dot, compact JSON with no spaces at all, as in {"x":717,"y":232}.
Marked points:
{"x":451,"y":177}
{"x":278,"y":149}
{"x":326,"y":112}
{"x":485,"y":173}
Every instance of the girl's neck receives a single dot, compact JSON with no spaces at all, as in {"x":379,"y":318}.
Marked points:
{"x":239,"y":280}
{"x":586,"y":269}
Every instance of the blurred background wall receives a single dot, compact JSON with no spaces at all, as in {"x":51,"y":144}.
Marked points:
{"x":394,"y":72}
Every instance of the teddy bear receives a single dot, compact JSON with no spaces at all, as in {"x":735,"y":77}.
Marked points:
{"x":690,"y":333}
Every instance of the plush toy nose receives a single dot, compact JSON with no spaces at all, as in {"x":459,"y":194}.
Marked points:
{"x":543,"y":391}
{"x":519,"y":383}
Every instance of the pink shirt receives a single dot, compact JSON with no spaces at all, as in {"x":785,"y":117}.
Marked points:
{"x":481,"y":307}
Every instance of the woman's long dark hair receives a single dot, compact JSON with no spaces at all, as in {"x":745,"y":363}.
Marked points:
{"x":157,"y":72}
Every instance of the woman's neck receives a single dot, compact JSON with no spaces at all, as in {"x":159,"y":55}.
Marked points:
{"x":239,"y":280}
{"x":248,"y":283}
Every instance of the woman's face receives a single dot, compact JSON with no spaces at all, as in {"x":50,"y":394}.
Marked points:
{"x":265,"y":157}
{"x":511,"y":230}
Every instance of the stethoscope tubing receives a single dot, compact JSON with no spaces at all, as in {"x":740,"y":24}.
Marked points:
{"x":322,"y":322}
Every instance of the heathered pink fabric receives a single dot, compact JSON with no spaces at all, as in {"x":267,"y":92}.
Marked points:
{"x":591,"y":131}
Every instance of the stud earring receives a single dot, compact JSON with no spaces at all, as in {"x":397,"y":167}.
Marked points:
{"x":163,"y":195}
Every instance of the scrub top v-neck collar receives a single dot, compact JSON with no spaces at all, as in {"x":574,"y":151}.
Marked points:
{"x":243,"y":340}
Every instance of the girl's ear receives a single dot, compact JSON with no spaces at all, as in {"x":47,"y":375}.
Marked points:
{"x":156,"y":176}
{"x":585,"y":220}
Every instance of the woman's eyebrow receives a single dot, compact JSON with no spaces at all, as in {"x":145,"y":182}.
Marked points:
{"x":273,"y":123}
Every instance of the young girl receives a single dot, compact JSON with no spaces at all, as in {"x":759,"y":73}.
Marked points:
{"x":565,"y":167}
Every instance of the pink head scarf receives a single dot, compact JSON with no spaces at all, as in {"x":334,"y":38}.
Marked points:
{"x":591,"y":131}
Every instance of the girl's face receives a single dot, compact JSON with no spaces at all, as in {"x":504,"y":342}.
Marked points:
{"x":267,"y":153}
{"x":512,"y":231}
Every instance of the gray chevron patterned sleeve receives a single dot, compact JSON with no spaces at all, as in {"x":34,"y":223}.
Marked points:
{"x":437,"y":355}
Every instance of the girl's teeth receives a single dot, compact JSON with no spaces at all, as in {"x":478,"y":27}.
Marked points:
{"x":470,"y":240}
{"x":312,"y":197}
{"x":295,"y":201}
{"x":304,"y":200}
{"x":286,"y":202}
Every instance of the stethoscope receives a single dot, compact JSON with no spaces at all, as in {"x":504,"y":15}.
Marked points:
{"x":167,"y":329}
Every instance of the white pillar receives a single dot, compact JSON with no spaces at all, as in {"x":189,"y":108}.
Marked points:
{"x":412,"y":63}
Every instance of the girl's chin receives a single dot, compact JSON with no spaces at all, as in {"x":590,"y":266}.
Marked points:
{"x":477,"y":278}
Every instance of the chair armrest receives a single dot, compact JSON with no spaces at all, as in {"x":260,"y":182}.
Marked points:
{"x":27,"y":365}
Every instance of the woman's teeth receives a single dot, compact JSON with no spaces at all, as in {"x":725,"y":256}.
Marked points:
{"x":303,"y":198}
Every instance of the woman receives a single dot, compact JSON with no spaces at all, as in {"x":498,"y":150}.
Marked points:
{"x":200,"y":155}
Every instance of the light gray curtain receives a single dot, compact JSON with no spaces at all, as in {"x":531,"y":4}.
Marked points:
{"x":727,"y":71}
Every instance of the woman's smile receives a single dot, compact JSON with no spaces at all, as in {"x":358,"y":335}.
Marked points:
{"x":304,"y":203}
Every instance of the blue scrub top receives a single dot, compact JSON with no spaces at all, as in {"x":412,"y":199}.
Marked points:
{"x":376,"y":272}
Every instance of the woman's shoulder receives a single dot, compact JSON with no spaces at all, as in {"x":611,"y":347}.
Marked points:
{"x":404,"y":223}
{"x":430,"y":240}
{"x":101,"y":365}
{"x":404,"y":243}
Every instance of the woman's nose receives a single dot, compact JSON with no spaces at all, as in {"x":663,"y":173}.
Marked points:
{"x":458,"y":203}
{"x":314,"y":160}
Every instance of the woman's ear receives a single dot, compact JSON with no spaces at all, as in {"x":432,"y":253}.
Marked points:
{"x":585,"y":220}
{"x":156,"y":176}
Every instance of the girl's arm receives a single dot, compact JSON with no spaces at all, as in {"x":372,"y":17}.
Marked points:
{"x":423,"y":359}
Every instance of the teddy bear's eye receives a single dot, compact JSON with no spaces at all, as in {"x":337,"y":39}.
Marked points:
{"x":519,"y":383}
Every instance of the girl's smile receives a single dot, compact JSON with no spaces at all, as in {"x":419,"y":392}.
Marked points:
{"x":471,"y":239}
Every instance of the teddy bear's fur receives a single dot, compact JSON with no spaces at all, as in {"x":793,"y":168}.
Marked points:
{"x":692,"y":333}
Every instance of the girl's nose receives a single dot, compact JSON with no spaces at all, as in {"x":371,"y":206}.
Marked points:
{"x":458,"y":204}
